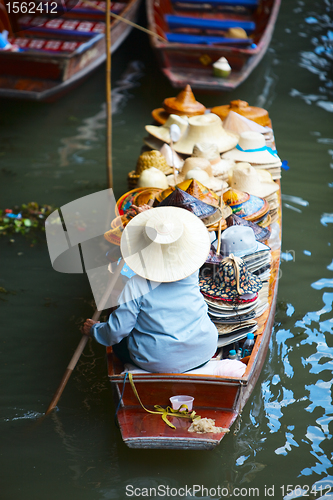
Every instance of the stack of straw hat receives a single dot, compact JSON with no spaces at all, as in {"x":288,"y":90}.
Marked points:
{"x":184,"y":104}
{"x":201,"y":170}
{"x":146,"y":160}
{"x":232,"y":297}
{"x":158,"y":135}
{"x":258,"y":115}
{"x":209,"y":214}
{"x":210,"y":152}
{"x":249,"y":207}
{"x":259,"y":183}
{"x":237,"y":124}
{"x":252,"y":148}
{"x":194,"y":188}
{"x":205,"y":128}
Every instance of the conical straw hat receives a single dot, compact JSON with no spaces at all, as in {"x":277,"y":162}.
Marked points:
{"x":234,"y":197}
{"x":163,"y":132}
{"x":261,"y":234}
{"x":194,"y":188}
{"x":252,"y":148}
{"x":202,"y":193}
{"x":181,"y":199}
{"x":165,"y":244}
{"x":211,"y":182}
{"x":184,"y":104}
{"x":258,"y":115}
{"x":246,"y":178}
{"x":205,"y":128}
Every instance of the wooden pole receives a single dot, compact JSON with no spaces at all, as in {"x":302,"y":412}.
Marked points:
{"x":220,"y":227}
{"x":108,"y":95}
{"x":84,"y":340}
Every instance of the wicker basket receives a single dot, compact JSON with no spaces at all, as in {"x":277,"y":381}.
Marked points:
{"x":132,"y":180}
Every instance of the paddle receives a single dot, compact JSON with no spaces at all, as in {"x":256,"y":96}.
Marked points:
{"x":84,"y":339}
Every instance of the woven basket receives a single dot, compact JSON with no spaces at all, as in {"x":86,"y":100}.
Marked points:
{"x":132,"y":180}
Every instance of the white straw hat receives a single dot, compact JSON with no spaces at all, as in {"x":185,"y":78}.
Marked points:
{"x":205,"y":128}
{"x":252,"y":148}
{"x":210,"y":151}
{"x":153,"y":177}
{"x":165,"y":244}
{"x":246,"y":178}
{"x":163,"y":132}
{"x":201,"y":170}
{"x":217,"y":185}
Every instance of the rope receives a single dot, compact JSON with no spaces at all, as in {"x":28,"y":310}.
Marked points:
{"x":235,"y":261}
{"x":126,"y":21}
{"x":164,"y":412}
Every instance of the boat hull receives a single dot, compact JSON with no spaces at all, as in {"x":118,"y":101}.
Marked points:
{"x":219,"y":398}
{"x":191,"y":64}
{"x":46,"y":77}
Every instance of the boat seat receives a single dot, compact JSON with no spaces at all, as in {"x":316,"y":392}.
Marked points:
{"x":61,"y":26}
{"x":208,"y":40}
{"x":175,"y":22}
{"x":217,"y":3}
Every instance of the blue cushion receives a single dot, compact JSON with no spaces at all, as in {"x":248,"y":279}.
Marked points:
{"x":209,"y":40}
{"x":201,"y":23}
{"x":236,"y":3}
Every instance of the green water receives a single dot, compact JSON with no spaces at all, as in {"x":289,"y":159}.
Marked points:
{"x":55,"y":153}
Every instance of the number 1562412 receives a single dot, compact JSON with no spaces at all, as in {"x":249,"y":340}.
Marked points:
{"x":31,"y":8}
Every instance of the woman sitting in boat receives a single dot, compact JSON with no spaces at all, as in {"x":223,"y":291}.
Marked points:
{"x":161,"y":324}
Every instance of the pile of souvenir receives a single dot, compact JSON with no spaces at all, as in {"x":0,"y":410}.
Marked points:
{"x":209,"y":214}
{"x":239,"y":117}
{"x":184,"y":104}
{"x":232,"y":296}
{"x":147,"y":161}
{"x":248,"y":206}
{"x":221,"y":165}
{"x":252,"y":148}
{"x":258,"y":183}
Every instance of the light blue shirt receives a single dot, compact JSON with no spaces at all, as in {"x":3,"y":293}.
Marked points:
{"x":167,"y":325}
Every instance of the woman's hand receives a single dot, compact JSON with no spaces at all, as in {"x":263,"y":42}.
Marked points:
{"x":87,"y":325}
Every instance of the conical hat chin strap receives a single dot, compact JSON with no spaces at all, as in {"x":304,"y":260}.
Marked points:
{"x":235,"y":262}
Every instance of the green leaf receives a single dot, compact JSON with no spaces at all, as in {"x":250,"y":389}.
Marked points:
{"x":17,"y":223}
{"x":27,"y":222}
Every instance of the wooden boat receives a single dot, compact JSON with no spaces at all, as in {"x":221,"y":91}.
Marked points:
{"x":59,"y":51}
{"x":197,"y":34}
{"x":219,"y":398}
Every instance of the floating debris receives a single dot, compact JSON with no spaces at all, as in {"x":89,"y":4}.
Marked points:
{"x":25,"y":219}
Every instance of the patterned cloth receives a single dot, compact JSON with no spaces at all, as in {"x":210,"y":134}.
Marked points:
{"x":231,"y":280}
